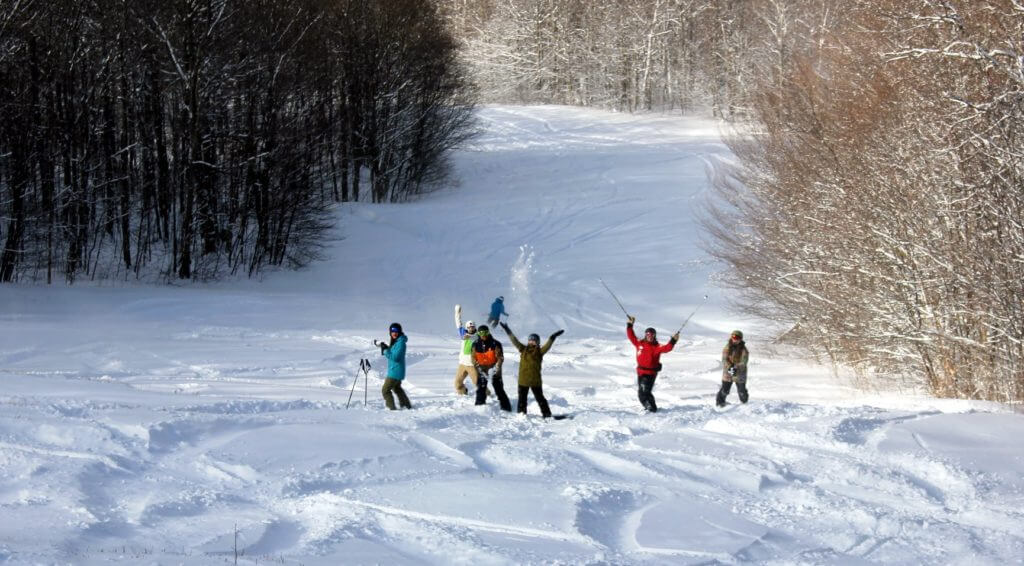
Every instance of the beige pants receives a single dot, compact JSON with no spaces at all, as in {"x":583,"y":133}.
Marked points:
{"x":460,"y":376}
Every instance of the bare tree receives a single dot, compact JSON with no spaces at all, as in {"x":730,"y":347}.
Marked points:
{"x":862,"y":209}
{"x":196,"y":138}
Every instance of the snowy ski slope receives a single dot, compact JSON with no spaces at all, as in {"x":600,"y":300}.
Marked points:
{"x":208,"y":423}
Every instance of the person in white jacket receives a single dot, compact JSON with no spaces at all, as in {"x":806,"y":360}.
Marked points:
{"x":466,"y":367}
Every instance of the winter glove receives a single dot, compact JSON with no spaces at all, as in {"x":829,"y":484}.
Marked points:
{"x":731,"y":371}
{"x":383,"y":348}
{"x":675,"y":337}
{"x":557,"y":334}
{"x":631,"y":319}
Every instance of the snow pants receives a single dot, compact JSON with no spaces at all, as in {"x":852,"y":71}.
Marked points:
{"x":460,"y":377}
{"x":741,"y":388}
{"x":645,"y":392}
{"x":538,"y":395}
{"x":394,"y":385}
{"x":496,"y":383}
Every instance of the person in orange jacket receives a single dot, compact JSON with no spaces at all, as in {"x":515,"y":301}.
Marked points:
{"x":487,"y":355}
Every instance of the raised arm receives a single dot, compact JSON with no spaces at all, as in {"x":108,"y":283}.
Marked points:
{"x":550,"y":342}
{"x":630,"y":334}
{"x":515,"y":341}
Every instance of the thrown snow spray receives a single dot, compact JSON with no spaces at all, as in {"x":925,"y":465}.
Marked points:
{"x":521,"y":303}
{"x":520,"y":275}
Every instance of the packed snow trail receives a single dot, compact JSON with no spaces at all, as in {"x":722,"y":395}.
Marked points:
{"x":160,"y":425}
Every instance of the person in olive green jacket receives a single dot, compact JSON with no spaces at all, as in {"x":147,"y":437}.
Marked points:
{"x":530,"y":357}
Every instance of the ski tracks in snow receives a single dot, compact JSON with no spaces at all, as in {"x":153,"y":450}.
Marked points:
{"x":184,"y":423}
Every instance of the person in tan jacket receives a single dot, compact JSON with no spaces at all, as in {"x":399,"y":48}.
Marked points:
{"x":734,"y":368}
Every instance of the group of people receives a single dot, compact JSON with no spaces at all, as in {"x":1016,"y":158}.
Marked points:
{"x":481,"y":357}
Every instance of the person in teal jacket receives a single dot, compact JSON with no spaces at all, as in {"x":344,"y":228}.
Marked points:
{"x":395,"y":353}
{"x":497,"y":309}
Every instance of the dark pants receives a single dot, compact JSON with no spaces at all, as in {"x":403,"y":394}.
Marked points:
{"x":396,"y":386}
{"x":538,"y":395}
{"x":645,"y":392}
{"x":499,"y":390}
{"x":741,"y":388}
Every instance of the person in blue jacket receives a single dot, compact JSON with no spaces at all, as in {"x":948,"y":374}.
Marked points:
{"x":497,"y":309}
{"x":395,"y":353}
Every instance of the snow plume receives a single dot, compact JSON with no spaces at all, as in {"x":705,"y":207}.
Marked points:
{"x":521,"y":303}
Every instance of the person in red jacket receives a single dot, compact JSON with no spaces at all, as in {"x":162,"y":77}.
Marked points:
{"x":648,"y":361}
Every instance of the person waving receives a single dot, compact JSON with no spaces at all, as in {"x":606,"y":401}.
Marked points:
{"x":530,"y":357}
{"x":648,"y":361}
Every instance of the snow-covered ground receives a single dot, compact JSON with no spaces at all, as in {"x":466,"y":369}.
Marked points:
{"x":207,"y":424}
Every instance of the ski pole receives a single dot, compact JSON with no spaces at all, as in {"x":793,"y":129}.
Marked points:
{"x":692,"y":313}
{"x":354,"y":381}
{"x":366,"y":378}
{"x":614,"y":297}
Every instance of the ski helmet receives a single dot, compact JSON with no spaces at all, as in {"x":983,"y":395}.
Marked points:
{"x":483,"y":330}
{"x":470,"y":324}
{"x":533,"y":338}
{"x":395,"y":327}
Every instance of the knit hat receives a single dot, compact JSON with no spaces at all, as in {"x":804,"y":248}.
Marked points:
{"x":737,"y":334}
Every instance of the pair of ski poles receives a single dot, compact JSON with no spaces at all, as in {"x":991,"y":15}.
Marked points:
{"x":685,"y":322}
{"x":364,"y":366}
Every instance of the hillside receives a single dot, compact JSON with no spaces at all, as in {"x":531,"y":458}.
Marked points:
{"x":184,"y":425}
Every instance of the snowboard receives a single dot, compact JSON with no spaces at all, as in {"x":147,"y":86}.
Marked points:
{"x":729,"y":406}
